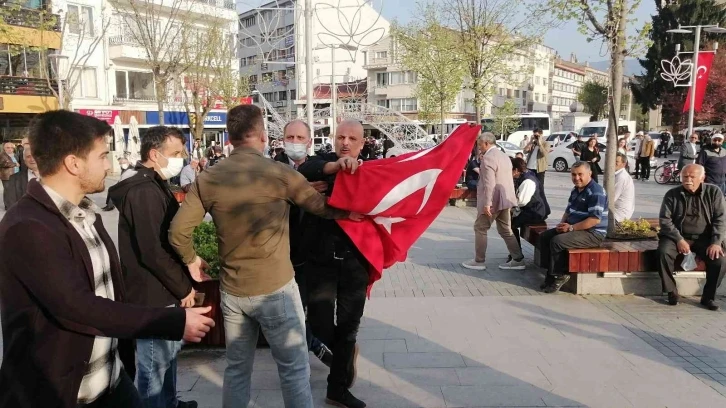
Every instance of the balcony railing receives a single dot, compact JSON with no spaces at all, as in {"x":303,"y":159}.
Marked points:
{"x":120,"y":100}
{"x":123,"y":39}
{"x":228,"y":4}
{"x":26,"y":86}
{"x":30,"y":18}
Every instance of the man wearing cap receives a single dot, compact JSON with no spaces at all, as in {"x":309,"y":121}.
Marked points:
{"x":713,"y":159}
{"x":638,"y":149}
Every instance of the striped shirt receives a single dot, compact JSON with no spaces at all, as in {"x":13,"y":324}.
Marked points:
{"x":104,"y":365}
{"x":591,"y":202}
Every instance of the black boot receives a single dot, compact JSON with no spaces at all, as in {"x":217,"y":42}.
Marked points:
{"x":343,"y":399}
{"x":673,"y":298}
{"x":709,"y":304}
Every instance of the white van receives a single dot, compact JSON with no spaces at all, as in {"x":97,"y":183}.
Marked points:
{"x":320,"y":142}
{"x":601,"y":127}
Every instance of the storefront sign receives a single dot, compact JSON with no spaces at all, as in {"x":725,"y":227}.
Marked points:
{"x":181,"y":118}
{"x":101,"y":114}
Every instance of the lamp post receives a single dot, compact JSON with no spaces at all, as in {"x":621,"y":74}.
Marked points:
{"x":333,"y":85}
{"x":715,"y":29}
{"x":58,"y":63}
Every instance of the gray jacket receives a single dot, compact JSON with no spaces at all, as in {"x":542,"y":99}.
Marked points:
{"x":672,"y":213}
{"x":688,"y":155}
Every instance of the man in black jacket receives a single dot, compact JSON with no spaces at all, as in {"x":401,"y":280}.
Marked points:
{"x":692,"y":218}
{"x":713,"y":158}
{"x":153,"y":273}
{"x":18,"y":183}
{"x":66,"y":324}
{"x":337,"y":272}
{"x":297,"y":143}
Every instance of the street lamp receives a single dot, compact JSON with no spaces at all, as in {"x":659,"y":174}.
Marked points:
{"x":714,"y":29}
{"x":59,"y":65}
{"x":333,"y":86}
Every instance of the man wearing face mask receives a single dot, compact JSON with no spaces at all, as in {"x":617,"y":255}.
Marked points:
{"x":297,"y":143}
{"x":153,"y":273}
{"x":713,"y":159}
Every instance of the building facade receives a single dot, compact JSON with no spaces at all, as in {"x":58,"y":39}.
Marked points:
{"x":30,"y":34}
{"x":567,"y":80}
{"x":272,"y":47}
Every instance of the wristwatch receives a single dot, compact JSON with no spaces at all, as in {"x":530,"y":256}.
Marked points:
{"x":572,"y":228}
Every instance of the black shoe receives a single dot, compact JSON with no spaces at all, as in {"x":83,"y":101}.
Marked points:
{"x":344,"y":400}
{"x":557,"y":284}
{"x":325,"y":355}
{"x":353,"y":369}
{"x":709,"y":304}
{"x":186,"y":404}
{"x":673,"y":298}
{"x":108,"y":208}
{"x":549,"y":279}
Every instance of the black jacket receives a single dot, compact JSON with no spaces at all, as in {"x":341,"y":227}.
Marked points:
{"x":714,"y":162}
{"x":298,"y":247}
{"x":50,"y":313}
{"x":153,"y":273}
{"x":537,"y":207}
{"x":673,"y":212}
{"x":16,"y":188}
{"x":325,"y":238}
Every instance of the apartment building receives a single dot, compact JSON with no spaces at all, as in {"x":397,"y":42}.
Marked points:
{"x":531,"y":83}
{"x":272,"y":47}
{"x":567,"y":80}
{"x":114,"y":79}
{"x":25,"y":43}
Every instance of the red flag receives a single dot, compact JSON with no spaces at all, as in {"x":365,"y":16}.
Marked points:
{"x":705,"y":61}
{"x":402,"y":196}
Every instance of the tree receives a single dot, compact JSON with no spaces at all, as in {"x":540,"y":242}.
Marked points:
{"x":714,"y":106}
{"x":163,"y":30}
{"x":490,"y":33}
{"x":651,"y":90}
{"x":594,"y":96}
{"x":433,"y":52}
{"x":79,"y":40}
{"x":505,"y":122}
{"x":211,"y":79}
{"x":607,"y":20}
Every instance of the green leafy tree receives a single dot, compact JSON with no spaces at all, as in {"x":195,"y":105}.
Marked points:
{"x":594,"y":96}
{"x":491,"y":33}
{"x":433,"y":52}
{"x":607,"y":20}
{"x":504,"y":121}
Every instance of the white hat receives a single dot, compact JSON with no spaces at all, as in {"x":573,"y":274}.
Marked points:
{"x":717,"y":136}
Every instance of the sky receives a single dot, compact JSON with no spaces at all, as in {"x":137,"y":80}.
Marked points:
{"x":565,"y":39}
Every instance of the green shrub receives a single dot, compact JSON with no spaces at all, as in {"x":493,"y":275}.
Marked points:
{"x":205,"y":243}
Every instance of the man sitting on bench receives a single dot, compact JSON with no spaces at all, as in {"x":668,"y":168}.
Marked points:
{"x":692,"y":219}
{"x":583,"y":225}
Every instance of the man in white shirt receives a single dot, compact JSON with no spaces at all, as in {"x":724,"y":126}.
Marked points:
{"x":524,"y":142}
{"x":624,"y":195}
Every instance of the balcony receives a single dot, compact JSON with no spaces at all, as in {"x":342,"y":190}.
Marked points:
{"x":381,"y":90}
{"x":133,"y":99}
{"x":228,"y":4}
{"x":124,"y":47}
{"x":30,"y":28}
{"x":27,"y":95}
{"x":31,"y":18}
{"x":377,"y":63}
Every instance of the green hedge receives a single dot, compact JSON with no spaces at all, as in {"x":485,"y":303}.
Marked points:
{"x":205,"y":243}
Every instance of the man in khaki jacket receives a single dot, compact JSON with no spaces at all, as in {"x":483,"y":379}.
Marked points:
{"x":494,"y":198}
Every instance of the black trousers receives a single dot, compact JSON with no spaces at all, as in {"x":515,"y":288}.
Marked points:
{"x":124,"y":395}
{"x":644,"y":163}
{"x":541,"y":177}
{"x":336,"y":299}
{"x":552,"y":246}
{"x":715,"y":268}
{"x":521,"y":221}
{"x":594,"y":177}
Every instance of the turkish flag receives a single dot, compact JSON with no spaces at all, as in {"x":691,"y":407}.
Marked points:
{"x":705,"y":61}
{"x":402,"y":196}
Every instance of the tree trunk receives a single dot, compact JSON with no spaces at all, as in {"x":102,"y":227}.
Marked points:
{"x":160,"y":85}
{"x":477,"y":107}
{"x":441,"y":134}
{"x":617,"y":49}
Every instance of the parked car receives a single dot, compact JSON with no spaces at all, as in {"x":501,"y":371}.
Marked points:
{"x":656,"y":140}
{"x":562,"y":137}
{"x":510,"y":149}
{"x":561,"y":157}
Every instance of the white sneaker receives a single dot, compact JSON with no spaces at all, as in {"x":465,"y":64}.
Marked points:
{"x":473,"y":264}
{"x":519,"y":265}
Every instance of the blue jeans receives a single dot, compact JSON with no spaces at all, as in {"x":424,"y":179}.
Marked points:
{"x":156,"y":372}
{"x":281,"y":317}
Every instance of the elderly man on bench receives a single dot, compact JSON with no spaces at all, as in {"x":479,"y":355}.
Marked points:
{"x":692,"y":219}
{"x":583,"y":225}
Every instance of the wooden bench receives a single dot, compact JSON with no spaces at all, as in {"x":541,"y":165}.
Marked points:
{"x":462,"y":197}
{"x":636,"y":260}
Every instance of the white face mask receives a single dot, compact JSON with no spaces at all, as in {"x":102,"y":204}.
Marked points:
{"x":124,"y":166}
{"x":296,"y":151}
{"x":173,"y":167}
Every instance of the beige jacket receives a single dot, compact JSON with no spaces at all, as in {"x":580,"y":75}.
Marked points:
{"x":496,"y":185}
{"x":541,"y":154}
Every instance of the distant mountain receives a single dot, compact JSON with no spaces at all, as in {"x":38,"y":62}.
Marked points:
{"x":631,"y":66}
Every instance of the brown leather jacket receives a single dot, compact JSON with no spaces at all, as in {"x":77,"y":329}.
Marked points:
{"x":7,"y":166}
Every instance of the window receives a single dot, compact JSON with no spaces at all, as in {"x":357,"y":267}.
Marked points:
{"x":282,"y":95}
{"x":84,"y":82}
{"x":536,"y":97}
{"x":248,"y":21}
{"x":135,"y":85}
{"x":524,"y":94}
{"x":381,"y":54}
{"x":502,"y":92}
{"x":516,"y":93}
{"x":395,"y":78}
{"x":536,"y":80}
{"x":403,"y":104}
{"x":252,"y":79}
{"x":509,"y":93}
{"x":382,"y":78}
{"x":382,"y":102}
{"x":267,"y":77}
{"x":80,"y":20}
{"x":293,"y":94}
{"x":269,"y":96}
